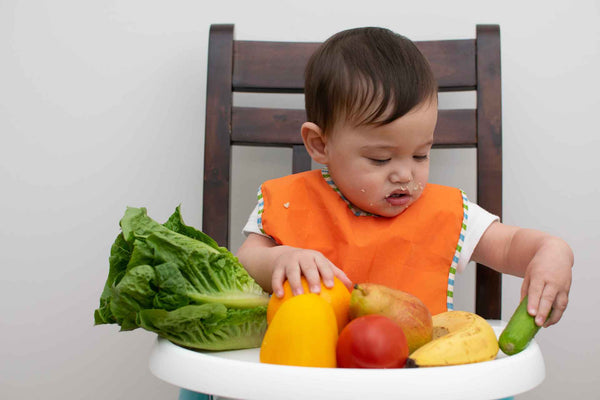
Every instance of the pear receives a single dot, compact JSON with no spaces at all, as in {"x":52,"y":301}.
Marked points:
{"x":406,"y":310}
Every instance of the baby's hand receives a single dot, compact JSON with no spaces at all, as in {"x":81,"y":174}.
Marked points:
{"x":294,"y":262}
{"x":547,"y":282}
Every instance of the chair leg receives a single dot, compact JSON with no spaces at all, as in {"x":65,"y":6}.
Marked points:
{"x":185,"y":394}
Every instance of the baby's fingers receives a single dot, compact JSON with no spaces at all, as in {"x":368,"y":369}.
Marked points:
{"x":540,"y":303}
{"x":294,"y":277}
{"x":326,"y":271}
{"x":533,"y":290}
{"x":545,"y":305}
{"x":313,"y":278}
{"x":277,"y":280}
{"x":289,"y":273}
{"x":343,"y":278}
{"x":558,"y":309}
{"x":553,"y":318}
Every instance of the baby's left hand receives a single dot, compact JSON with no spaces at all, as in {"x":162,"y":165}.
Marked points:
{"x":547,"y":283}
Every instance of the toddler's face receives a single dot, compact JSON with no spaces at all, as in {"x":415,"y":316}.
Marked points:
{"x":383,"y":170}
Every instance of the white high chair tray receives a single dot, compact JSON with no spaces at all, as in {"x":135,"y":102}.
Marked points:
{"x":239,"y":374}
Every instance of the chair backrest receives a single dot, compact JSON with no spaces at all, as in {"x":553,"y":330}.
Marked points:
{"x":278,"y":67}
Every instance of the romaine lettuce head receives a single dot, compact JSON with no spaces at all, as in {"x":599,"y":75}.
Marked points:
{"x":156,"y":271}
{"x":213,"y":325}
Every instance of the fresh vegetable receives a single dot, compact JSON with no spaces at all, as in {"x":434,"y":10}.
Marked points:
{"x":175,"y":280}
{"x":519,"y":331}
{"x":338,"y":296}
{"x":372,"y":341}
{"x":403,"y":308}
{"x":302,"y":333}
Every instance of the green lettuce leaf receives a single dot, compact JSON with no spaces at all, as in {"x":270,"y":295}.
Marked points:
{"x":175,"y":280}
{"x":214,"y":325}
{"x":176,"y":224}
{"x":120,"y":253}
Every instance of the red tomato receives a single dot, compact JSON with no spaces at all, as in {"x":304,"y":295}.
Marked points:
{"x":372,"y":341}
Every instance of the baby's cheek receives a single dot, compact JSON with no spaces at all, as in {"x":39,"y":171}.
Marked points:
{"x":369,"y":194}
{"x":420,"y":186}
{"x":363,"y":196}
{"x":418,"y":190}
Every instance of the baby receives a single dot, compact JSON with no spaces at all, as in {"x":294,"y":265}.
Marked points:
{"x":370,"y":215}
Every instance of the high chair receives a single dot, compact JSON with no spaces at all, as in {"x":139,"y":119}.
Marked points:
{"x":278,"y":67}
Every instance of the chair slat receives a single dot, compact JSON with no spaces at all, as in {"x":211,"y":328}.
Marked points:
{"x":268,"y":126}
{"x":456,"y":128}
{"x":270,"y":66}
{"x":453,"y":63}
{"x":272,"y":127}
{"x":279,"y":66}
{"x":489,"y":157}
{"x":217,"y":149}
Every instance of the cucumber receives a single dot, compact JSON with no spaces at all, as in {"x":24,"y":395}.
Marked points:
{"x":519,"y":332}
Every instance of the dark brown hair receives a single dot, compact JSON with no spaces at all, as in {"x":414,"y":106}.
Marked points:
{"x":367,"y":76}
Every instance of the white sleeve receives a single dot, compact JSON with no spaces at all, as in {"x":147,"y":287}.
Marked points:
{"x":252,"y":224}
{"x":477,"y":221}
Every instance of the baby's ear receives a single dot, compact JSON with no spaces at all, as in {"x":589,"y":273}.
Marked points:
{"x":315,"y":142}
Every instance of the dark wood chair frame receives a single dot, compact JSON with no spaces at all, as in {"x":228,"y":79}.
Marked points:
{"x":278,"y":67}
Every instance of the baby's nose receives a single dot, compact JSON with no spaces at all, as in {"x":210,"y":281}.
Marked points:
{"x":401,"y":175}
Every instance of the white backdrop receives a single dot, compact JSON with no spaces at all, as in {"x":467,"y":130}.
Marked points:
{"x":102,"y":106}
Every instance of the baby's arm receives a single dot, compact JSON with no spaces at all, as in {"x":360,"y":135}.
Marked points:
{"x":543,"y":260}
{"x":271,"y":264}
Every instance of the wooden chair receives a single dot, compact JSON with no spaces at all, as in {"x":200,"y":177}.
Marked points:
{"x":278,"y":67}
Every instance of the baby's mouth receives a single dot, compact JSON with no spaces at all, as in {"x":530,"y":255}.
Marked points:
{"x":396,"y":195}
{"x":398,"y":198}
{"x":404,"y":194}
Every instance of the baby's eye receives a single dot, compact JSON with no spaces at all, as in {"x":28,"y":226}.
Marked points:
{"x":421,"y":157}
{"x":378,"y":161}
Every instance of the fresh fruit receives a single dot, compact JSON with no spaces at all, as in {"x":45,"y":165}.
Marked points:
{"x":372,"y":341}
{"x":403,"y":308}
{"x":338,"y":296}
{"x":461,"y":337}
{"x":519,"y":331}
{"x":302,"y":333}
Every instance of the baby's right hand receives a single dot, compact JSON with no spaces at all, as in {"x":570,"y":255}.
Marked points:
{"x":294,"y":262}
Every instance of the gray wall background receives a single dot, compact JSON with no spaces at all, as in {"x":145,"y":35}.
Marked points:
{"x":102,"y":106}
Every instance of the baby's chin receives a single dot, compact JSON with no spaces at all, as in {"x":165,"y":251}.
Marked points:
{"x":390,"y":212}
{"x":382,"y":210}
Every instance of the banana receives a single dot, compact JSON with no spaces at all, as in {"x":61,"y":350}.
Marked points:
{"x":459,"y":337}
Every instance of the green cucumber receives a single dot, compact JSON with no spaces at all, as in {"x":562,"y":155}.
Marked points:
{"x":519,"y":332}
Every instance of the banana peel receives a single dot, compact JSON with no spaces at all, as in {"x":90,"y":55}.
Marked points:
{"x":459,"y":337}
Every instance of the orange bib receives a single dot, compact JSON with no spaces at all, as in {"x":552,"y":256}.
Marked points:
{"x":412,"y":252}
